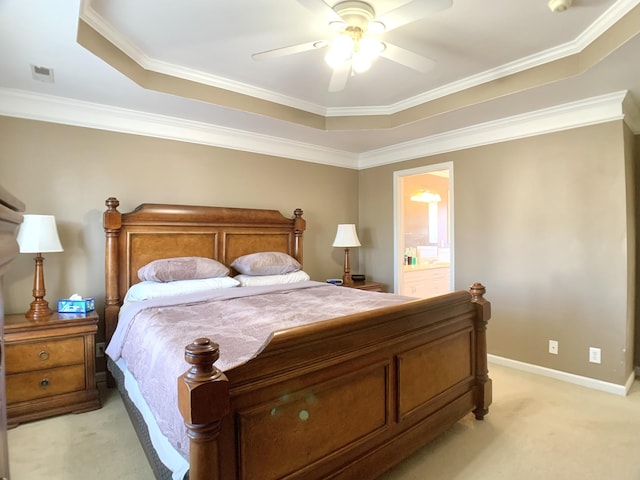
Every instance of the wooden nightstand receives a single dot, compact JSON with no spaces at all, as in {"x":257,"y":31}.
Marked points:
{"x":50,"y":366}
{"x":371,"y":286}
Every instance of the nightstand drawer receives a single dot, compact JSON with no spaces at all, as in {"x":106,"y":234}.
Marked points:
{"x":371,"y":286}
{"x":44,"y":383}
{"x":25,"y":357}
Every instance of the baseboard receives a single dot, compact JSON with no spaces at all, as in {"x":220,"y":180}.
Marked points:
{"x":101,"y":377}
{"x":592,"y":383}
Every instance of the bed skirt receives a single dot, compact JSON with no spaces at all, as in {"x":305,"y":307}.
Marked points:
{"x":160,"y":470}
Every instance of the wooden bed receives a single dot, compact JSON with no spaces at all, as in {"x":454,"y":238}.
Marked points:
{"x":354,"y":395}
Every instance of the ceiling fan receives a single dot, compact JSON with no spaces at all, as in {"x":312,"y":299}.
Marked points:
{"x":355,"y":44}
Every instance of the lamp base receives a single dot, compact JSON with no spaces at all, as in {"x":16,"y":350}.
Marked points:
{"x":347,"y":281}
{"x":39,"y":307}
{"x":39,"y":310}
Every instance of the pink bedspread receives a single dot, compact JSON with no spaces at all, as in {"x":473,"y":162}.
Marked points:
{"x":151,"y":335}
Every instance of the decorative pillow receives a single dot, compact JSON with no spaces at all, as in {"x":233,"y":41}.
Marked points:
{"x":147,"y":289}
{"x":266,"y":263}
{"x":260,"y":280}
{"x":182,"y":268}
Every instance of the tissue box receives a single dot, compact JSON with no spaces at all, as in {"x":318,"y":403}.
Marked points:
{"x":76,"y":306}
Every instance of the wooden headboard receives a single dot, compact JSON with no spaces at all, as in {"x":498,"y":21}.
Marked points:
{"x":154,"y":231}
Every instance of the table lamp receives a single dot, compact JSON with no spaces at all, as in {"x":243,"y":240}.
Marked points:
{"x":38,"y":234}
{"x":347,"y":238}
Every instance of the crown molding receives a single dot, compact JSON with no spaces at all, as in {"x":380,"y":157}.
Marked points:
{"x":616,"y":12}
{"x":631,"y":114}
{"x":562,"y":117}
{"x":95,"y":21}
{"x":47,"y":108}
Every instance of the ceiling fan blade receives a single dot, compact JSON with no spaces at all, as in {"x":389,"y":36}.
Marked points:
{"x":293,"y":49}
{"x":407,"y":58}
{"x":412,"y":11}
{"x":318,"y":7}
{"x":339,"y":77}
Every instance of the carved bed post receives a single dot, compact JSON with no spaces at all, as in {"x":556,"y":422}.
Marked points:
{"x":299,"y":225}
{"x":203,"y":400}
{"x":112,"y":222}
{"x":483,"y":382}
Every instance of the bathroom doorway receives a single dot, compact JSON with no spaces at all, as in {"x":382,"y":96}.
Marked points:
{"x":423,"y":245}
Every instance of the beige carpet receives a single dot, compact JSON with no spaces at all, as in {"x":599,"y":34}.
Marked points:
{"x":537,"y":428}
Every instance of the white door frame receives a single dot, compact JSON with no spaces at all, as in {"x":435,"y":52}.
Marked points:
{"x":398,"y":215}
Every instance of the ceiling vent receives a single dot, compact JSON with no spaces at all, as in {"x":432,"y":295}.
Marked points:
{"x":42,"y":74}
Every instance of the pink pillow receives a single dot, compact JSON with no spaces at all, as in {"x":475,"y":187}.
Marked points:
{"x":266,"y":263}
{"x":182,"y":268}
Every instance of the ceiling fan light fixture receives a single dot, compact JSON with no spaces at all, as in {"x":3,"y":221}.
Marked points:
{"x":371,"y":47}
{"x":376,"y":27}
{"x":360,"y":62}
{"x":340,"y":51}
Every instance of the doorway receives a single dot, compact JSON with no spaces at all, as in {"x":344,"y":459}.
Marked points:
{"x":423,"y":232}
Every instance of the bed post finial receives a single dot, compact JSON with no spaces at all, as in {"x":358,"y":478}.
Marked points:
{"x":203,"y":400}
{"x":112,"y":203}
{"x":477,"y":290}
{"x":483,"y":382}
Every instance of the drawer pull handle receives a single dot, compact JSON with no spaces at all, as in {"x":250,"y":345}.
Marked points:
{"x":43,"y":355}
{"x":44,"y":383}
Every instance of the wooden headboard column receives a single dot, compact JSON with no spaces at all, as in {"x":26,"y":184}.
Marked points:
{"x":112,"y":221}
{"x":155,"y":231}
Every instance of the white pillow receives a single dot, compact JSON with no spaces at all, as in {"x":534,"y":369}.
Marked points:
{"x":260,"y":280}
{"x":147,"y":290}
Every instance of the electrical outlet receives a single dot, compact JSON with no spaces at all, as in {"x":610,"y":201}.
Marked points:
{"x":594,"y":355}
{"x":100,"y":349}
{"x":553,"y":347}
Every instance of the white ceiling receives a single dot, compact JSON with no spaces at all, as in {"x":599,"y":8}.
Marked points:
{"x":470,"y":43}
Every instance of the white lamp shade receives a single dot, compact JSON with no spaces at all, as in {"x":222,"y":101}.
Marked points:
{"x":346,"y":236}
{"x":39,"y":234}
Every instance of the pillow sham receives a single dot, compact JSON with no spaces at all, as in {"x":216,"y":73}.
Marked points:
{"x":182,"y":268}
{"x":148,"y":289}
{"x":266,"y":263}
{"x":261,"y":280}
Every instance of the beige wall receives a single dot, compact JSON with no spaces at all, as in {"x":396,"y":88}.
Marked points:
{"x":634,"y":145}
{"x":70,"y":171}
{"x":542,"y":222}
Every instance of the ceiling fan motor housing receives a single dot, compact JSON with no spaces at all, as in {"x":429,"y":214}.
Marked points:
{"x":355,"y":13}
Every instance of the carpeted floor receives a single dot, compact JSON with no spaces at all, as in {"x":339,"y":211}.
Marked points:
{"x":537,"y":428}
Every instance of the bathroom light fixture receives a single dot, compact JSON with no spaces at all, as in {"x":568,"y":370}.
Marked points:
{"x":426,"y":196}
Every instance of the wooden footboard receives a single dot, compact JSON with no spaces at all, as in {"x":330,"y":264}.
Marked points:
{"x":346,"y":398}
